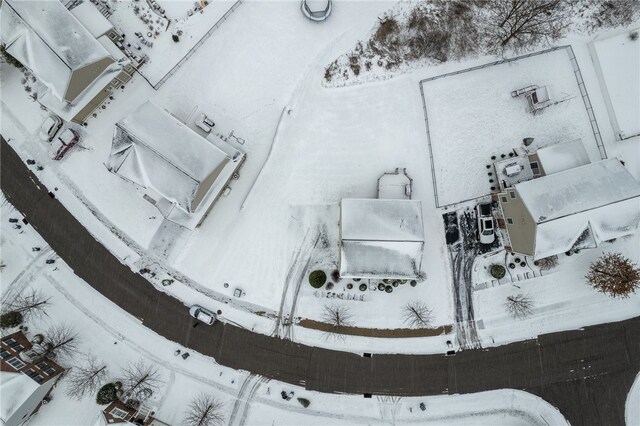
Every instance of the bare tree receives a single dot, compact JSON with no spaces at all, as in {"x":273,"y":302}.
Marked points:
{"x":140,"y":380}
{"x":519,"y":306}
{"x":547,"y":263}
{"x":523,"y":24}
{"x":336,"y":317}
{"x":615,"y":275}
{"x":60,"y":340}
{"x":417,"y":314}
{"x":204,"y":410}
{"x":86,"y":378}
{"x":31,"y":303}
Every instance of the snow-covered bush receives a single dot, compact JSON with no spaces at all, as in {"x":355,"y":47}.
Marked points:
{"x":317,"y":278}
{"x":497,"y":271}
{"x":107,"y":394}
{"x":304,"y":402}
{"x":10,"y":319}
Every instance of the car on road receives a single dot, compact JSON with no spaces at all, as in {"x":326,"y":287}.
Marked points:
{"x":485,"y":224}
{"x":202,"y":314}
{"x":50,"y":127}
{"x":205,"y":123}
{"x":65,"y":142}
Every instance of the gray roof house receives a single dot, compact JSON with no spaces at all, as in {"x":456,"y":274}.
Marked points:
{"x":183,"y":173}
{"x":381,"y":238}
{"x":72,"y":66}
{"x":575,"y":208}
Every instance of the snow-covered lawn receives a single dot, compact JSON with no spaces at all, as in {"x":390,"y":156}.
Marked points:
{"x":472,"y":116}
{"x":165,"y":53}
{"x":617,"y":61}
{"x":561,"y":299}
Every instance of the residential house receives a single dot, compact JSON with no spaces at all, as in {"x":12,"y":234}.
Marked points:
{"x":381,"y":238}
{"x":120,"y":413}
{"x":26,"y":379}
{"x":575,"y":208}
{"x":183,"y":174}
{"x":76,"y":72}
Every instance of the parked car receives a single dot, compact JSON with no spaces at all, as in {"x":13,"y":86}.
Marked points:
{"x":202,"y":314}
{"x":50,"y":127}
{"x":205,"y":123}
{"x":485,"y":224}
{"x":65,"y":142}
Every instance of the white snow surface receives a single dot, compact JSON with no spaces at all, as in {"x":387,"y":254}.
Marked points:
{"x":617,"y":60}
{"x":602,"y":197}
{"x":91,"y":18}
{"x":562,"y":156}
{"x":632,"y":406}
{"x":15,"y":388}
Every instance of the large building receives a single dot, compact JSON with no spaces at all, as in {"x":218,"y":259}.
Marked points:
{"x":381,"y":238}
{"x":571,"y":209}
{"x":76,"y":71}
{"x":183,"y":174}
{"x":26,"y":379}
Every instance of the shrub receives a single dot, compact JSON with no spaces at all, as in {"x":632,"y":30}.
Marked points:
{"x":317,"y":279}
{"x":633,"y":36}
{"x":107,"y":394}
{"x":304,"y":402}
{"x":363,"y":287}
{"x":512,"y":266}
{"x":10,"y":319}
{"x":10,"y":59}
{"x":335,"y":276}
{"x":497,"y":271}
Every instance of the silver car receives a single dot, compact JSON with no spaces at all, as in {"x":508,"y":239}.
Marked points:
{"x":50,"y":127}
{"x":485,"y":224}
{"x":202,"y":314}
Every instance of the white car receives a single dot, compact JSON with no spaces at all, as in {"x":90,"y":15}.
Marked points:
{"x":50,"y":127}
{"x":205,"y":123}
{"x":485,"y":224}
{"x":202,"y":314}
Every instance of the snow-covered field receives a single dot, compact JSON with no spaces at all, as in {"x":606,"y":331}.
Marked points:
{"x":116,"y":339}
{"x":472,"y":117}
{"x":617,"y":60}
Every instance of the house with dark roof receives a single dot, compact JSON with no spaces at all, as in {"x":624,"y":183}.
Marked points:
{"x":26,"y":379}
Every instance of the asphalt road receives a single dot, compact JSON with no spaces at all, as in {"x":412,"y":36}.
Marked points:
{"x":587,"y":373}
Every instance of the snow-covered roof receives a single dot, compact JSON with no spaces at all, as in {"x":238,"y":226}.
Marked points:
{"x":381,"y":238}
{"x":15,"y":389}
{"x":92,"y":19}
{"x":46,"y":38}
{"x":153,"y":149}
{"x":562,"y":156}
{"x":595,"y":202}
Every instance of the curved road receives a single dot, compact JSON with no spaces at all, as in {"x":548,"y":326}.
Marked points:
{"x":585,"y":373}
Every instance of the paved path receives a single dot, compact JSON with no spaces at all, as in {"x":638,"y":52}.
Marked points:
{"x":586,"y":374}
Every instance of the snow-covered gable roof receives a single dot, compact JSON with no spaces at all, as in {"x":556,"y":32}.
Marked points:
{"x":15,"y":389}
{"x":153,"y":149}
{"x":595,"y":202}
{"x":381,"y":238}
{"x":92,"y":19}
{"x":562,"y":156}
{"x":46,"y":38}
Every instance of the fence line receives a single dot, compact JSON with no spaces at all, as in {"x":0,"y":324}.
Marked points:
{"x":581,"y":87}
{"x":587,"y":103}
{"x":197,"y":45}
